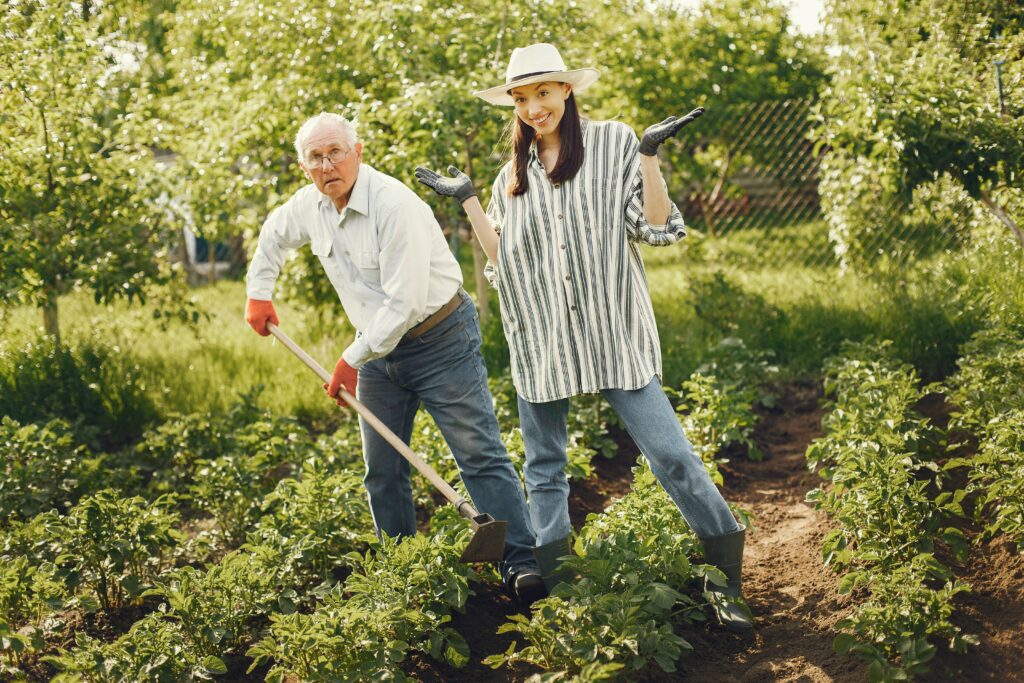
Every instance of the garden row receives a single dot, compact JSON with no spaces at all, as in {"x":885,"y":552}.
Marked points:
{"x":900,"y":508}
{"x":296,"y":506}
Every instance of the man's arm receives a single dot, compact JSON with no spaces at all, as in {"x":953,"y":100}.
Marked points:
{"x":405,"y":252}
{"x":280,"y":233}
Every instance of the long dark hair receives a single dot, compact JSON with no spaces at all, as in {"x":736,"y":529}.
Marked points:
{"x":570,"y":151}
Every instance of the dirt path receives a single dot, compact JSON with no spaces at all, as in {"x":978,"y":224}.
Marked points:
{"x":793,"y":596}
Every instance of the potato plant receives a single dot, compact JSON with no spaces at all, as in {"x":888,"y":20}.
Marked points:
{"x":399,"y":598}
{"x":320,"y":518}
{"x":636,"y":582}
{"x":28,"y":594}
{"x":115,"y":546}
{"x":990,"y":410}
{"x":42,"y":468}
{"x":878,"y":455}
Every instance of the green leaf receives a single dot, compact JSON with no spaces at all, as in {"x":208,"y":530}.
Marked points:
{"x":215,"y":665}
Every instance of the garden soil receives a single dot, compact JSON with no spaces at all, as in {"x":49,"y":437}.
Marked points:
{"x":792,"y":594}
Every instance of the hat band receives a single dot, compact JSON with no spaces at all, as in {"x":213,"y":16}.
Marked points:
{"x":532,"y":73}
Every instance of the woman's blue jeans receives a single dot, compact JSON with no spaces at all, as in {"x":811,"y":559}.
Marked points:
{"x":651,"y":421}
{"x":445,"y":370}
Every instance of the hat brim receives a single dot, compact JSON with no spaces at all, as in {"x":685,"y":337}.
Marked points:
{"x":579,"y":78}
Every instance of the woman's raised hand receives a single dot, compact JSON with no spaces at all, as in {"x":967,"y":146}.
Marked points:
{"x":459,"y":185}
{"x":659,"y":132}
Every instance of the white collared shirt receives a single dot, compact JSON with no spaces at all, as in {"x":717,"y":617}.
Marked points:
{"x":384,"y":253}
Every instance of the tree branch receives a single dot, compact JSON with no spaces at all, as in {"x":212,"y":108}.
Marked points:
{"x":1003,"y":217}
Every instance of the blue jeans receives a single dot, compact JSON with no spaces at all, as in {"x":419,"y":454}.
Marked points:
{"x":651,"y":421}
{"x":445,"y":370}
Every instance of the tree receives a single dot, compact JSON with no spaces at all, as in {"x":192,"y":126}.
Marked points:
{"x":246,"y":75}
{"x":913,"y":97}
{"x":77,"y":186}
{"x":658,"y":60}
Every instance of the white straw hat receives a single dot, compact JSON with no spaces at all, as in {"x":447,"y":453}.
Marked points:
{"x":536,"y":64}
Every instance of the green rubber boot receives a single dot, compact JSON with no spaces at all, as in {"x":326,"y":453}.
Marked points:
{"x":726,"y":553}
{"x":549,"y":562}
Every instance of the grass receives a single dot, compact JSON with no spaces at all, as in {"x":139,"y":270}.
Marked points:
{"x":203,"y":369}
{"x":798,"y":312}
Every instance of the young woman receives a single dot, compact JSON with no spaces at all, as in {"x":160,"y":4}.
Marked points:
{"x":561,"y":234}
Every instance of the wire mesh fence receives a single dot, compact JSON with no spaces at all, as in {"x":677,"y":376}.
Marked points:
{"x":769,"y":203}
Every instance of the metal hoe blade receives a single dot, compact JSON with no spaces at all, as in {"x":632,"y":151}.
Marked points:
{"x":488,"y":541}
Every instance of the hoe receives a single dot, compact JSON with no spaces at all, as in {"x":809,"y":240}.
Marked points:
{"x":488,"y":541}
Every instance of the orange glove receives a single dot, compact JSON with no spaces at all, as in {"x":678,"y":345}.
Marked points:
{"x":344,"y":376}
{"x":258,"y":313}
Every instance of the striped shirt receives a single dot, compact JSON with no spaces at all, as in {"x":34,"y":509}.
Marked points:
{"x":575,"y":305}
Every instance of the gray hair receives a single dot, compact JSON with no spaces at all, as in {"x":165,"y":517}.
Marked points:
{"x":348,"y":131}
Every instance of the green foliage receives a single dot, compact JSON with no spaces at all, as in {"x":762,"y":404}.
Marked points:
{"x":901,"y":618}
{"x":911,"y":102}
{"x":979,"y":388}
{"x":398,"y":599}
{"x":79,"y":201}
{"x":214,"y":608}
{"x":113,"y":545}
{"x":94,"y":388}
{"x":154,"y":649}
{"x":28,"y":594}
{"x":319,"y":517}
{"x":991,"y":409}
{"x":727,"y":307}
{"x":42,"y":469}
{"x":878,"y":454}
{"x":869,"y":225}
{"x":226,"y":463}
{"x":714,"y":416}
{"x":632,"y":563}
{"x":745,"y":55}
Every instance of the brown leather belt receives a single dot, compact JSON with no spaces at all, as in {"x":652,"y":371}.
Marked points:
{"x":435,"y":318}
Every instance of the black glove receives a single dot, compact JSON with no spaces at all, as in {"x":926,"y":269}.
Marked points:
{"x":659,"y":132}
{"x":458,"y":186}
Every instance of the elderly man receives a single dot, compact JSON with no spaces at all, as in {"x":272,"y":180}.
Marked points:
{"x":418,"y":336}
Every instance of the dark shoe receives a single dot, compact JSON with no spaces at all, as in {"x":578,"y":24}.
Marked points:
{"x":549,"y":561}
{"x":726,"y":553}
{"x":525,"y":586}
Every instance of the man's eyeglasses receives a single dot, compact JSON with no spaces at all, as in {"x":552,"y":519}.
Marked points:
{"x":335,"y":156}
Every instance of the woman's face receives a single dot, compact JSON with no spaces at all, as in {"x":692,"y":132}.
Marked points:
{"x":541,"y":105}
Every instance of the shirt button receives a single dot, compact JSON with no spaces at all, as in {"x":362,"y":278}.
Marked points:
{"x":567,"y":278}
{"x":573,"y":307}
{"x":559,"y":216}
{"x":563,"y":246}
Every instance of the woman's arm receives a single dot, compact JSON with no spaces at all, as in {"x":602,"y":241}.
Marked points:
{"x":461,"y":187}
{"x":482,"y":228}
{"x":657,"y":205}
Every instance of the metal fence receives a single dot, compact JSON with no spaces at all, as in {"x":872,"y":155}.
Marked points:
{"x":770,"y":203}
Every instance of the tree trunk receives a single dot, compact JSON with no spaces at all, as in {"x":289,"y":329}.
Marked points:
{"x":50,"y":321}
{"x":1005,"y":218}
{"x":705,"y":211}
{"x":211,"y":257}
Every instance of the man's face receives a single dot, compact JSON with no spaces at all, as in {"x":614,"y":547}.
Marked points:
{"x":333,"y":179}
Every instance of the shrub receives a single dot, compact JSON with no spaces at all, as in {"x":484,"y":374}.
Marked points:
{"x":96,"y":389}
{"x":42,"y":468}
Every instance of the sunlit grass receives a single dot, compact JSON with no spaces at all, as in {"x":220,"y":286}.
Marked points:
{"x":204,"y":369}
